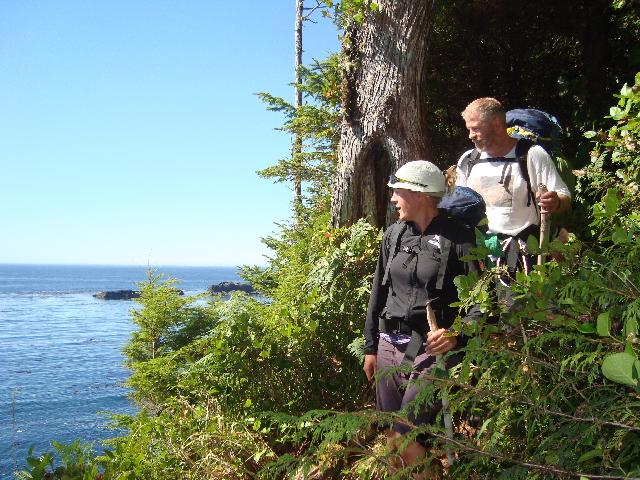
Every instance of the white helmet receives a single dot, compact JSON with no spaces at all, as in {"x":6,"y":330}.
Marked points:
{"x":419,"y":176}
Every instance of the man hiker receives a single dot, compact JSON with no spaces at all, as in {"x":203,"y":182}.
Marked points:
{"x":507,"y":173}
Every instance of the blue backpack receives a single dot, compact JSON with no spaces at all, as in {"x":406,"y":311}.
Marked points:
{"x":464,"y":204}
{"x":537,"y":126}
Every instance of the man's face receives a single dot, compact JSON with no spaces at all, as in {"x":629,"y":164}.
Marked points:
{"x":482,"y":132}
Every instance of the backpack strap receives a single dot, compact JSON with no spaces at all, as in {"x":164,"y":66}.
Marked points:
{"x":472,"y":159}
{"x":522,"y":150}
{"x":397,"y":229}
{"x":417,"y":338}
{"x":413,"y":347}
{"x":445,"y":247}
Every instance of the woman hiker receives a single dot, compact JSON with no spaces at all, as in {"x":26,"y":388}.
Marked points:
{"x":419,"y":258}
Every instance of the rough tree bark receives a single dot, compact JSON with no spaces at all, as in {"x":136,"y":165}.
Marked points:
{"x":382,"y":96}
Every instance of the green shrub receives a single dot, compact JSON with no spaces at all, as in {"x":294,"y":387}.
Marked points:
{"x":74,"y":461}
{"x":186,"y":441}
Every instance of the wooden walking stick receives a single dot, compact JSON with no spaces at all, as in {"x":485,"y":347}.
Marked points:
{"x":545,"y":225}
{"x":448,"y":426}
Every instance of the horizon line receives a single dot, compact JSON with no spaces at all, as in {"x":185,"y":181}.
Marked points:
{"x":53,"y":264}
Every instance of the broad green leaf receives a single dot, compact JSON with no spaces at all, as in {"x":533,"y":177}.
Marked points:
{"x":620,"y":235}
{"x":603,"y":324}
{"x":631,"y":327}
{"x":616,"y":113}
{"x":462,"y":282}
{"x":622,"y":368}
{"x":598,"y":212}
{"x":590,"y":134}
{"x":611,"y":201}
{"x":587,"y":328}
{"x":628,"y":348}
{"x":589,"y":455}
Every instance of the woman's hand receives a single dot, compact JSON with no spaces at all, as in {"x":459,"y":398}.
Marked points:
{"x":369,"y":366}
{"x":439,"y":344}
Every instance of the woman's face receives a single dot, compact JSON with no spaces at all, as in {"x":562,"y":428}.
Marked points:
{"x":408,"y":204}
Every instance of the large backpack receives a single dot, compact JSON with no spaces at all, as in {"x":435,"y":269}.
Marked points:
{"x":543,"y":129}
{"x":537,"y":126}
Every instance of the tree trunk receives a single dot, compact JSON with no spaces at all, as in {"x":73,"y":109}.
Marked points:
{"x":297,"y":140}
{"x":383,"y":99}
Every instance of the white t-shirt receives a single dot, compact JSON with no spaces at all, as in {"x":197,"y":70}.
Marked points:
{"x":504,"y":190}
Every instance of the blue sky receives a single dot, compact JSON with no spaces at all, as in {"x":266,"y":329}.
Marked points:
{"x":130,"y":133}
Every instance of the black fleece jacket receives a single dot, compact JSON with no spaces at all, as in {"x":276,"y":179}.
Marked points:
{"x":413,"y":275}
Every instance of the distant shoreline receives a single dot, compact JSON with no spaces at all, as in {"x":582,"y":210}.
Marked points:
{"x":154,"y":267}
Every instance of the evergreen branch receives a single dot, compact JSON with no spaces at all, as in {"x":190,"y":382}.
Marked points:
{"x":536,"y":466}
{"x":584,"y":419}
{"x":523,"y":401}
{"x":625,"y":281}
{"x":378,"y":458}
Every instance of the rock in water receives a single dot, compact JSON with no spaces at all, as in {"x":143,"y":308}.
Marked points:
{"x":228,"y":287}
{"x":122,"y":294}
{"x":117,"y":294}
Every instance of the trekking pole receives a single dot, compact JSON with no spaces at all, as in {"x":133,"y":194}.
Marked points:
{"x":448,"y":426}
{"x":545,"y":225}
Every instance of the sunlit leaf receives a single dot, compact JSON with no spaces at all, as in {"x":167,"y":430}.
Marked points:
{"x":622,"y":368}
{"x":603,"y":324}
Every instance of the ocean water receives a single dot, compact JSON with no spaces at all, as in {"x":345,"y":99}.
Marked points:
{"x":60,"y":350}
